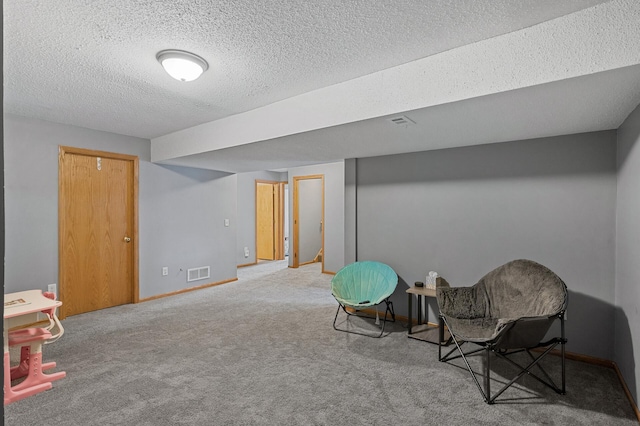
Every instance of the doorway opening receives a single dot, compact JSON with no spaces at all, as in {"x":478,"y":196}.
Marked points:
{"x":271,"y":221}
{"x":308,"y":220}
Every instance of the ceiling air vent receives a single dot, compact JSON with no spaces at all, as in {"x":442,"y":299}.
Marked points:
{"x":401,"y":120}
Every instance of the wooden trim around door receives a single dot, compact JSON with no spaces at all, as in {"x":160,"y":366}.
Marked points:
{"x":296,"y":213}
{"x":279,"y":242}
{"x":62,"y":150}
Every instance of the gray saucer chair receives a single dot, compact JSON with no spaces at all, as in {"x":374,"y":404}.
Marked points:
{"x":509,"y":311}
{"x":364,"y":285}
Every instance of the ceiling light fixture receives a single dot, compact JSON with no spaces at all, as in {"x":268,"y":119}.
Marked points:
{"x":181,"y":65}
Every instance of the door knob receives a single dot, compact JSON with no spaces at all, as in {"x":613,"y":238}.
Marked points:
{"x":127,"y":239}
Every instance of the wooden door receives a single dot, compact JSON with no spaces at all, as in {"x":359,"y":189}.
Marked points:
{"x":97,"y":230}
{"x":269,"y":220}
{"x":265,"y":215}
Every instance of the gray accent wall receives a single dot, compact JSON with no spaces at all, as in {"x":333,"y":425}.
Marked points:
{"x":247,"y":212}
{"x":465,"y":211}
{"x":627,"y":295}
{"x":333,"y":210}
{"x":181,"y":210}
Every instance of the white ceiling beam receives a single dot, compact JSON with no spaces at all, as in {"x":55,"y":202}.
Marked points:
{"x":597,"y":39}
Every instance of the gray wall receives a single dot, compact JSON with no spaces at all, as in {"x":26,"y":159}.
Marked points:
{"x":181,"y":210}
{"x":333,"y":210}
{"x":247,"y":212}
{"x":627,"y":322}
{"x":182,"y":217}
{"x":309,"y":219}
{"x":464,"y":211}
{"x":350,"y":210}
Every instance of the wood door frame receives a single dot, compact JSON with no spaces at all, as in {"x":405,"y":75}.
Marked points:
{"x":278,"y":226}
{"x":280,"y":221}
{"x":62,"y":150}
{"x":296,"y":213}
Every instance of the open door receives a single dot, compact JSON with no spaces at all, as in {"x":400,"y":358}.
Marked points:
{"x":269,"y":220}
{"x":308,"y":220}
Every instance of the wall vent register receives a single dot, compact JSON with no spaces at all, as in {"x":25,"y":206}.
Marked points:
{"x":196,"y":274}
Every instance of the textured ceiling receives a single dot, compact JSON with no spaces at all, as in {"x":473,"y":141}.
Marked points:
{"x":92,"y":64}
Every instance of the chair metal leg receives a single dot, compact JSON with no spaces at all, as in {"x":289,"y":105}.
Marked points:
{"x":489,"y":349}
{"x":388,"y":310}
{"x":542,"y":370}
{"x":441,"y":334}
{"x":562,"y":352}
{"x":487,"y":376}
{"x":526,"y":370}
{"x":336,"y":318}
{"x":464,"y":358}
{"x":390,"y":307}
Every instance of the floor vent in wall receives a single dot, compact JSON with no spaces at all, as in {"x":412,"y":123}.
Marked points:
{"x":196,"y":274}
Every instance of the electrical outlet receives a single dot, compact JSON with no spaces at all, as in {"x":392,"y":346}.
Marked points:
{"x":246,"y":252}
{"x":226,"y":222}
{"x":165,"y":271}
{"x":52,"y":288}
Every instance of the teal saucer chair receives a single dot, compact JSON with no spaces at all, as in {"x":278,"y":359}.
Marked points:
{"x":363,"y":285}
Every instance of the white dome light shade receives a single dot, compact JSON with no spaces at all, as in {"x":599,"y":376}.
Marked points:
{"x":181,"y":65}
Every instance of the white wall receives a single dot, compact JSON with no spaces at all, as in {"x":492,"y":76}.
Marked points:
{"x":181,"y":210}
{"x":627,"y":295}
{"x":465,"y":211}
{"x":333,"y":210}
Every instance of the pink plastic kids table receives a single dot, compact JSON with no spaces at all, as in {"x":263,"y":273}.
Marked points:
{"x":20,"y":304}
